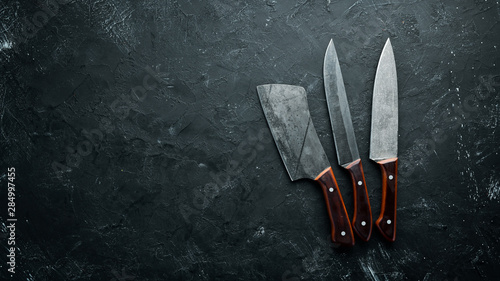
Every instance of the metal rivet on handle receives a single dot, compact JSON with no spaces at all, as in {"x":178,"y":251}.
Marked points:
{"x":389,"y":221}
{"x":363,"y":223}
{"x":391,"y":177}
{"x":342,"y":233}
{"x":331,"y":189}
{"x":360,"y":182}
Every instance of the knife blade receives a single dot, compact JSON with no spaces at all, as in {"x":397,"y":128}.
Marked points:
{"x":345,"y":141}
{"x":287,"y":113}
{"x":384,"y":138}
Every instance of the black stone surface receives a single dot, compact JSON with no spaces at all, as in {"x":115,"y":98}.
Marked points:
{"x":182,"y":180}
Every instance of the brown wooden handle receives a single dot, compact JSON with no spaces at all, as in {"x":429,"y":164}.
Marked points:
{"x":386,"y":222}
{"x":362,"y":219}
{"x":341,"y":226}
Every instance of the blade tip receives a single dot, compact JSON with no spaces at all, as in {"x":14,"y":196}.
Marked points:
{"x":330,"y":44}
{"x":330,"y":53}
{"x":388,"y":43}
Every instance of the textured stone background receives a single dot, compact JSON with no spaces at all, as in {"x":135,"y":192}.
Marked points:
{"x":182,"y":181}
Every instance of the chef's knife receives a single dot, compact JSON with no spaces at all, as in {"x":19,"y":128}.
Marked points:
{"x":384,"y":138}
{"x":345,"y":141}
{"x":287,"y":114}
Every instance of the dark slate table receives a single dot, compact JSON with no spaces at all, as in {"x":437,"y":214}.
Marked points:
{"x":141,"y":151}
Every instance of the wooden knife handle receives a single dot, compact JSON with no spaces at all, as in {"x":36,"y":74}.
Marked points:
{"x":341,"y":226}
{"x":362,"y":219}
{"x":386,"y":222}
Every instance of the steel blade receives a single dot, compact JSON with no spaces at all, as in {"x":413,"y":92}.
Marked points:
{"x":287,"y":114}
{"x":338,"y":108}
{"x":384,"y":129}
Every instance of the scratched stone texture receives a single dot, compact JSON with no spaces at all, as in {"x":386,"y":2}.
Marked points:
{"x":142,"y":152}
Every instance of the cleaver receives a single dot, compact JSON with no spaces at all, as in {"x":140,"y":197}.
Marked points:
{"x":288,"y":117}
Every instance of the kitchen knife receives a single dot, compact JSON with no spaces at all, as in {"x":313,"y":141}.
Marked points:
{"x":345,"y":141}
{"x":384,"y":138}
{"x":287,"y":114}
